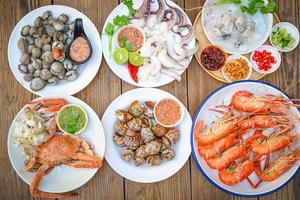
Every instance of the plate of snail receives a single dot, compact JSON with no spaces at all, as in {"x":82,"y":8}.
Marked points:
{"x":140,"y":149}
{"x":38,"y":56}
{"x":254,"y":149}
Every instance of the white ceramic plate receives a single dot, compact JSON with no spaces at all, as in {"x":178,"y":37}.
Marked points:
{"x":87,"y":71}
{"x":144,"y":173}
{"x":63,"y":178}
{"x":211,"y":17}
{"x":121,"y":70}
{"x":223,"y":95}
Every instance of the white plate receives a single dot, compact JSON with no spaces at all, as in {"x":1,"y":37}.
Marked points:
{"x":144,"y":173}
{"x":223,"y":95}
{"x":63,"y":178}
{"x":121,"y":70}
{"x":87,"y":71}
{"x":211,"y":16}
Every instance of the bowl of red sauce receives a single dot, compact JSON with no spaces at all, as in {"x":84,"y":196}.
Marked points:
{"x":131,"y":35}
{"x":168,"y":112}
{"x":213,"y":58}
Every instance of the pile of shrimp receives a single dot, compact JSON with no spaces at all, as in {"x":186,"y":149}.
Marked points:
{"x":236,"y":144}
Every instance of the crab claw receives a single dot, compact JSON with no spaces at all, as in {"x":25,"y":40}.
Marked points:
{"x":52,"y":104}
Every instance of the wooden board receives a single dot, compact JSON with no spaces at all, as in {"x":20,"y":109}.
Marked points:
{"x":188,"y":183}
{"x":204,"y":42}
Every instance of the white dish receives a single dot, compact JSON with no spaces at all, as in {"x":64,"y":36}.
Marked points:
{"x":211,"y":16}
{"x":121,"y":70}
{"x":63,"y":178}
{"x":144,"y":173}
{"x":224,"y":95}
{"x":233,"y":57}
{"x":87,"y":71}
{"x":275,"y":53}
{"x":290,"y":29}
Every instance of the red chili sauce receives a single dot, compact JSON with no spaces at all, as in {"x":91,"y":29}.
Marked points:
{"x":133,"y":35}
{"x":213,"y":58}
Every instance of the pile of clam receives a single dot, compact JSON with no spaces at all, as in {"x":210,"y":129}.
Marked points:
{"x":144,"y":139}
{"x":43,"y":47}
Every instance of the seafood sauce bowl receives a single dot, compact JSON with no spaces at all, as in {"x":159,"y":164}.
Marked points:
{"x":223,"y":95}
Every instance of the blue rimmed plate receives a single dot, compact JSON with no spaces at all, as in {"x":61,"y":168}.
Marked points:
{"x":223,"y":96}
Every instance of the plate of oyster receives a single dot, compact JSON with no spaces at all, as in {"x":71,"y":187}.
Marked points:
{"x":139,"y":147}
{"x":39,"y":46}
{"x":235,"y":31}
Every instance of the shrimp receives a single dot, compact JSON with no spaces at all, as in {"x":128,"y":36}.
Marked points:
{"x":266,"y":121}
{"x":212,"y":150}
{"x":248,"y":102}
{"x":227,"y":157}
{"x":278,"y":167}
{"x":263,"y":145}
{"x":237,"y":172}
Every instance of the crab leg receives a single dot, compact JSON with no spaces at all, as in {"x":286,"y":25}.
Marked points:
{"x":37,"y":179}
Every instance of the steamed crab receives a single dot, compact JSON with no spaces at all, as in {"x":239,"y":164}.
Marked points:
{"x":144,"y":139}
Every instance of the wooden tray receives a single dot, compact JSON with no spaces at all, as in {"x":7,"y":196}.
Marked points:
{"x":204,"y":42}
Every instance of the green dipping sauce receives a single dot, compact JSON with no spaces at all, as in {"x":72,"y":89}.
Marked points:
{"x":72,"y":119}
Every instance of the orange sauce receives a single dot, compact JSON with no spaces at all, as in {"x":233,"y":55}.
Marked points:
{"x":167,"y":112}
{"x":79,"y":50}
{"x":133,"y":35}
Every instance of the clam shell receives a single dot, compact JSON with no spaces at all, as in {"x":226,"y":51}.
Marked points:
{"x":37,"y":84}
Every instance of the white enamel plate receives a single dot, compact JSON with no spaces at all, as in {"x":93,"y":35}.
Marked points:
{"x":144,"y":173}
{"x":224,"y":95}
{"x":63,"y":178}
{"x":87,"y":71}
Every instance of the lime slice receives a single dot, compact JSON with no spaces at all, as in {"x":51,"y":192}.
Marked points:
{"x":136,"y":59}
{"x":120,"y":56}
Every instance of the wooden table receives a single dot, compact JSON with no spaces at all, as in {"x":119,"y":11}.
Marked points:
{"x":188,"y":183}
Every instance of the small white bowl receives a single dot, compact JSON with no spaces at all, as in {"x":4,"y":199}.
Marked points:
{"x":290,"y":29}
{"x":274,"y":52}
{"x":75,"y":105}
{"x":233,"y":57}
{"x":181,"y":110}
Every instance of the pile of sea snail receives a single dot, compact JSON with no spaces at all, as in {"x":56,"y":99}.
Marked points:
{"x":144,"y":139}
{"x":43,"y":47}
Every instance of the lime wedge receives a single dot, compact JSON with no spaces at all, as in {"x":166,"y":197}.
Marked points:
{"x":120,"y":56}
{"x":136,"y":59}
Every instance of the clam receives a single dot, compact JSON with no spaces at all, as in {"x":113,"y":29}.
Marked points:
{"x":37,"y":84}
{"x":153,"y":160}
{"x":25,"y":58}
{"x":23,"y":44}
{"x":38,"y":21}
{"x":57,"y":69}
{"x":68,"y":65}
{"x":153,"y":147}
{"x":135,"y":124}
{"x":36,"y":52}
{"x":63,"y":18}
{"x":72,"y":25}
{"x":122,"y":115}
{"x":75,"y":68}
{"x":41,"y":30}
{"x":45,"y":39}
{"x":172,"y":135}
{"x":58,"y":25}
{"x":50,"y":30}
{"x":127,"y":155}
{"x":28,"y":77}
{"x":23,"y":69}
{"x":46,"y":47}
{"x":159,"y":130}
{"x":135,"y":109}
{"x":37,"y":73}
{"x":25,"y":30}
{"x":47,"y":15}
{"x":53,"y":80}
{"x":30,"y":68}
{"x":147,"y":135}
{"x":45,"y":74}
{"x":47,"y":57}
{"x":30,"y":47}
{"x":58,"y":44}
{"x":168,"y":154}
{"x":30,"y":39}
{"x":33,"y":31}
{"x":38,"y":42}
{"x":120,"y":127}
{"x":119,"y":140}
{"x":37,"y":64}
{"x":166,"y":142}
{"x":59,"y":36}
{"x":147,"y":122}
{"x":149,"y":106}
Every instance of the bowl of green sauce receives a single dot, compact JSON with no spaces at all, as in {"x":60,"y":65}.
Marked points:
{"x":72,"y":119}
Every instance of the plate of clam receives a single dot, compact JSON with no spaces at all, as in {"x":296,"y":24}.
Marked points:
{"x":245,"y":138}
{"x":147,"y":135}
{"x":56,"y":144}
{"x":148,"y":43}
{"x":55,"y":49}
